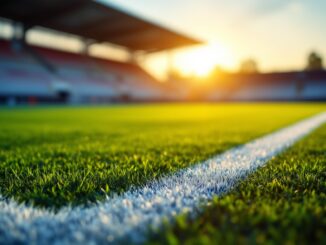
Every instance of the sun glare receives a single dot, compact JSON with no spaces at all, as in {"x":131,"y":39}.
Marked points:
{"x":202,"y":60}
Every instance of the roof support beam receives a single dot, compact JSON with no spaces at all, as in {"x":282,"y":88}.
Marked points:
{"x":87,"y":44}
{"x":20,"y":31}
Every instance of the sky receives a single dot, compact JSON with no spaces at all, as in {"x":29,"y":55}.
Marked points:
{"x":278,"y":34}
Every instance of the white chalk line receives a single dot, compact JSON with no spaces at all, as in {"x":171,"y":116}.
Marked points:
{"x":129,"y":215}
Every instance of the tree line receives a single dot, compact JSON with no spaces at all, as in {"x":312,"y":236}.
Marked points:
{"x":314,"y":63}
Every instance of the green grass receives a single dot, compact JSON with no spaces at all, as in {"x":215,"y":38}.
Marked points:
{"x":282,"y":203}
{"x":58,"y":156}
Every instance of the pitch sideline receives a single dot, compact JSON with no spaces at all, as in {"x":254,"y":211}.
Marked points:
{"x":128,"y":216}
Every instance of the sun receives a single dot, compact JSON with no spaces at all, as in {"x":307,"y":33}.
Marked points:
{"x":200,"y":61}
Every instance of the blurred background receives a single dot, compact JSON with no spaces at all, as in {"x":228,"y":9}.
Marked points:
{"x":111,"y":51}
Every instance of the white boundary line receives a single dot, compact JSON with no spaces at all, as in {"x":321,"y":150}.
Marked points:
{"x":128,"y":216}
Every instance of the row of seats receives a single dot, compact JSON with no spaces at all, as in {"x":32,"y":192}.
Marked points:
{"x":30,"y":73}
{"x":42,"y":72}
{"x":308,"y":86}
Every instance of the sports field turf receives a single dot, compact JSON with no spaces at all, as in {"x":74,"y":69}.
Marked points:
{"x":282,"y":203}
{"x":58,"y":156}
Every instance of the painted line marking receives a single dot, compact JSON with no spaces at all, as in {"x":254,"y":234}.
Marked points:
{"x":129,"y":215}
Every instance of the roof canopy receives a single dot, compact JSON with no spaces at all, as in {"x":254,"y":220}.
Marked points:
{"x":93,"y":20}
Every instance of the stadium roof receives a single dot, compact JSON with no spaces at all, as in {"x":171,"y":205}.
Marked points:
{"x":96,"y":21}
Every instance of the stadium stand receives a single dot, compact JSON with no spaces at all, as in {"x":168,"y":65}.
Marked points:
{"x":286,"y":86}
{"x":30,"y":74}
{"x":68,"y":77}
{"x":22,"y":78}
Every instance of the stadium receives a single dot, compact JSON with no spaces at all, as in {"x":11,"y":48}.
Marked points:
{"x":98,"y":147}
{"x":34,"y":74}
